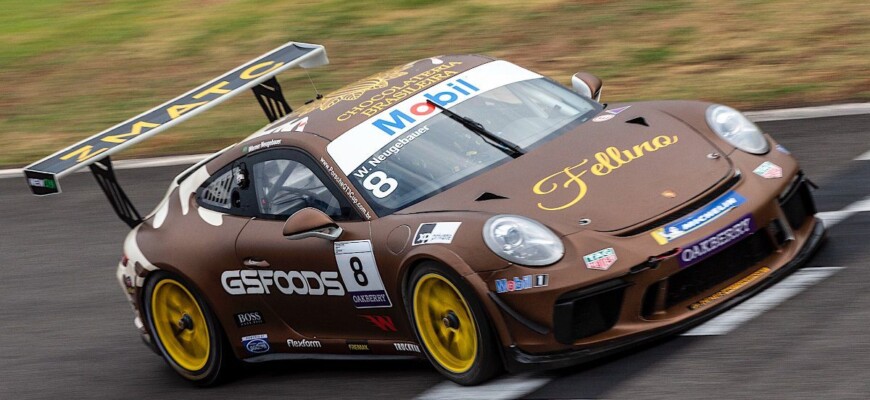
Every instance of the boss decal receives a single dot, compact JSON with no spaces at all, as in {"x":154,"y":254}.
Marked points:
{"x":256,"y":344}
{"x":437,"y":232}
{"x":360,"y":275}
{"x":699,"y":218}
{"x":238,"y":282}
{"x":249,"y":318}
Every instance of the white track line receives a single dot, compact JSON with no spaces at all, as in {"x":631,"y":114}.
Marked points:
{"x":832,"y":218}
{"x":809,"y":112}
{"x":863,"y":157}
{"x":510,"y":387}
{"x":767,"y":115}
{"x":766,"y":300}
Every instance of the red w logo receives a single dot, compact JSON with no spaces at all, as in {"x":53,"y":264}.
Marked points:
{"x":383,"y":322}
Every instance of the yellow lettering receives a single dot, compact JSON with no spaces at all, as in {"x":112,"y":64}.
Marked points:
{"x":83,"y":153}
{"x":176,"y":110}
{"x":638,"y":149}
{"x":251,"y":72}
{"x":135,"y":130}
{"x":572,"y":178}
{"x":216,"y":89}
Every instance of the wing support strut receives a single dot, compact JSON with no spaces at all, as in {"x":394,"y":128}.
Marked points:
{"x":105,"y":176}
{"x":272,"y":100}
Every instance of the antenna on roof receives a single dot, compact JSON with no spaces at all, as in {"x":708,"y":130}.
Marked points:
{"x":318,"y":95}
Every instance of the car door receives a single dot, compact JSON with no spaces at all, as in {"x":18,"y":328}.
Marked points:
{"x":316,"y":285}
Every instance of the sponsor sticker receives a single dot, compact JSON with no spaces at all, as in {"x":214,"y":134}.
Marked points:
{"x":409,"y":347}
{"x":730,"y":289}
{"x":603,"y":117}
{"x":521,"y":283}
{"x":436,"y":232}
{"x":249,"y":318}
{"x":46,"y":183}
{"x":256,"y":344}
{"x":617,"y":110}
{"x":699,"y":218}
{"x":383,"y":322}
{"x":306,"y":283}
{"x":601,"y":260}
{"x":304,"y":344}
{"x":768,"y":170}
{"x":710,"y":245}
{"x":780,"y":148}
{"x":360,"y":143}
{"x":570,"y":179}
{"x":360,"y":274}
{"x":262,"y":145}
{"x":358,"y":346}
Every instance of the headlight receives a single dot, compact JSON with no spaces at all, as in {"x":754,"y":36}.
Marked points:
{"x":736,"y":129}
{"x":522,"y":241}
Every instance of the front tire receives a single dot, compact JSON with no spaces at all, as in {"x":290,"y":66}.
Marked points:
{"x":185,"y":330}
{"x":451,"y":325}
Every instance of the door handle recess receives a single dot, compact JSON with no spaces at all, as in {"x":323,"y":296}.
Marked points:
{"x":253,"y":262}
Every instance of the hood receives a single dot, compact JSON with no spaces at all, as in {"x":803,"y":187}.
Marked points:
{"x":626,"y":166}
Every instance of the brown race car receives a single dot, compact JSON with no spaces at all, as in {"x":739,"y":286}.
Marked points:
{"x":458,"y":208}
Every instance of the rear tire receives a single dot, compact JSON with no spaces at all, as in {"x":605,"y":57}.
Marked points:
{"x":451,"y":326}
{"x":185,"y":331}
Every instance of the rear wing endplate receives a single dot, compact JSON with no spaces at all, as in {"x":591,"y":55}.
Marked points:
{"x":258,"y":74}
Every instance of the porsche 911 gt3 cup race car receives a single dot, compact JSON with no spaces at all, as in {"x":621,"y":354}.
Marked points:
{"x":461,"y":209}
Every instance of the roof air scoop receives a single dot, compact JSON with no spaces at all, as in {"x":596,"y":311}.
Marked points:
{"x":638,"y":121}
{"x":489,"y":196}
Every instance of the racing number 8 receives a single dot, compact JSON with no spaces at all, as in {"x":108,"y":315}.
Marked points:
{"x":358,"y":274}
{"x":377,"y":188}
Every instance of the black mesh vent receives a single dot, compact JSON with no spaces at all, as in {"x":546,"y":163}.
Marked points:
{"x":719,"y":268}
{"x":589,"y":311}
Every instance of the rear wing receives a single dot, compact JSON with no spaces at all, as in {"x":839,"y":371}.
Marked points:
{"x":257,"y":74}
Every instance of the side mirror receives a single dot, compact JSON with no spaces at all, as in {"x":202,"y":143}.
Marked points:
{"x":587,"y":85}
{"x":311,"y":222}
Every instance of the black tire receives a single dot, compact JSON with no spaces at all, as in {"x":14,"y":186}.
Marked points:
{"x":219,"y":365}
{"x":486,"y":361}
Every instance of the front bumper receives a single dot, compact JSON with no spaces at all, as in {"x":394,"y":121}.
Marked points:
{"x":519,"y":360}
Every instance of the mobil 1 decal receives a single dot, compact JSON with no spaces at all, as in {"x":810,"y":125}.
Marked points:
{"x":359,"y":272}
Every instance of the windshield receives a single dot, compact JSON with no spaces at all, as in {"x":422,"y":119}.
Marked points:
{"x":438,"y":153}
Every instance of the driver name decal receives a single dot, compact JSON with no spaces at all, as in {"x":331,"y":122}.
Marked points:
{"x":612,"y":158}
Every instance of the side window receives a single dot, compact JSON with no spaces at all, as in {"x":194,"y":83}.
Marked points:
{"x":285,"y":186}
{"x":226,"y":191}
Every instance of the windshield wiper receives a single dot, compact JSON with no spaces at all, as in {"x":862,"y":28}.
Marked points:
{"x":502,"y":144}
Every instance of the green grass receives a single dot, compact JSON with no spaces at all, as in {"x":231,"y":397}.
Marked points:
{"x":71,"y":68}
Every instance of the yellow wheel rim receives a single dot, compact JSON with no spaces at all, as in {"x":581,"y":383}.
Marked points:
{"x":445,"y":324}
{"x":180,"y":324}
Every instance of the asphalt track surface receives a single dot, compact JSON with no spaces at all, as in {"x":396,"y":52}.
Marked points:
{"x":66,"y":330}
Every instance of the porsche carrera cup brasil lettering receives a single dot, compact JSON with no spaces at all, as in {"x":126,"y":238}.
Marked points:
{"x":612,"y":158}
{"x":238,"y":282}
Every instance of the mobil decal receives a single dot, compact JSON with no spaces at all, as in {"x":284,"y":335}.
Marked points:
{"x":570,"y":178}
{"x":398,"y":119}
{"x":362,"y":142}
